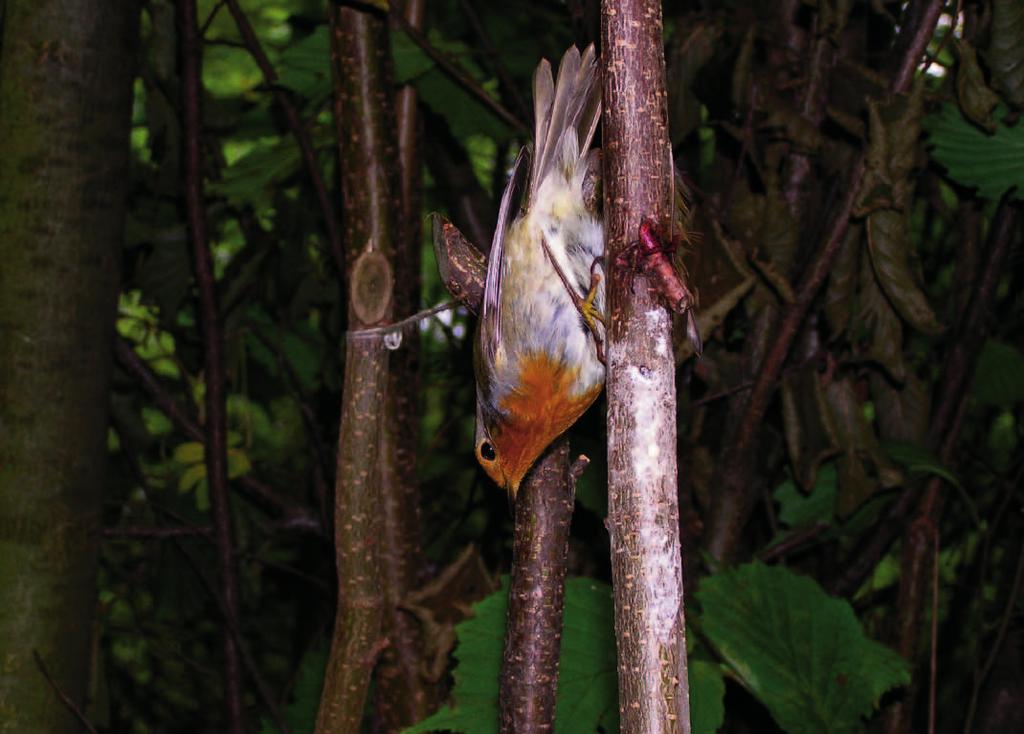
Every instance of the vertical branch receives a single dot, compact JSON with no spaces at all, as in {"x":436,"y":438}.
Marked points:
{"x":643,"y":511}
{"x":403,"y":695}
{"x":533,"y":635}
{"x":369,"y":188}
{"x":216,"y":450}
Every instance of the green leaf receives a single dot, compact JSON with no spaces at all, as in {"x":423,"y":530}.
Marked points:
{"x":797,"y":510}
{"x":800,"y":652}
{"x":238,"y":463}
{"x":410,"y":60}
{"x":999,"y":376}
{"x":474,"y":708}
{"x":919,"y":461}
{"x":189,"y":453}
{"x":707,"y":689}
{"x":990,"y":163}
{"x":301,"y":712}
{"x":191,"y":477}
{"x":305,"y":67}
{"x":587,"y":682}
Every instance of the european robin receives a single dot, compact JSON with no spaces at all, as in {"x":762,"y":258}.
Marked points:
{"x":537,"y":355}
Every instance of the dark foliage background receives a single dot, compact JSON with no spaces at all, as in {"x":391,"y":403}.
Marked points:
{"x":770,"y":105}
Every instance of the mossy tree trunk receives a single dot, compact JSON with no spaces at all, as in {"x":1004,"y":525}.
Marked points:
{"x":65,"y":103}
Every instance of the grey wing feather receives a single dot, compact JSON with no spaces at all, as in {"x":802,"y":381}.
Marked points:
{"x":574,"y":104}
{"x":490,"y":313}
{"x":543,"y":97}
{"x":591,"y":111}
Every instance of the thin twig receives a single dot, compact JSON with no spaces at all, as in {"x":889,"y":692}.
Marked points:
{"x":298,"y":129}
{"x":64,"y":697}
{"x":216,"y":453}
{"x":298,"y":517}
{"x":933,"y":664}
{"x":997,"y":646}
{"x":508,"y":84}
{"x":397,"y":326}
{"x":157,"y":533}
{"x":233,"y":629}
{"x":459,"y":76}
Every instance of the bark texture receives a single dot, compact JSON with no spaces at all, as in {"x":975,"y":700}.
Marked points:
{"x":529,"y":674}
{"x":533,"y":634}
{"x":368,"y":155}
{"x":65,"y":103}
{"x":643,"y":509}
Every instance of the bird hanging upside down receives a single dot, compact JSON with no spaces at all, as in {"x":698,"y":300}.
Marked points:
{"x":538,"y":358}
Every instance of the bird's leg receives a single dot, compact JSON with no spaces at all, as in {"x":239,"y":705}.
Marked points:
{"x":585,"y":306}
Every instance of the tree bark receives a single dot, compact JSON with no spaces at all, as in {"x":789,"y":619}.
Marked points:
{"x":65,"y":95}
{"x":643,"y":509}
{"x":368,"y":155}
{"x":533,"y":634}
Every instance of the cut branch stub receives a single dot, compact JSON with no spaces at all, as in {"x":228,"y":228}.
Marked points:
{"x":371,"y":286}
{"x":462,"y":266}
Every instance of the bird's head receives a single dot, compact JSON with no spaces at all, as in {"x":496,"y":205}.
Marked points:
{"x":512,"y":430}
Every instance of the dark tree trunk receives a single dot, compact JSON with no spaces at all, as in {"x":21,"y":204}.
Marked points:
{"x":65,"y":102}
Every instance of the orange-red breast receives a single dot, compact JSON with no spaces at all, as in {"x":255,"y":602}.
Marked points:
{"x":537,"y":360}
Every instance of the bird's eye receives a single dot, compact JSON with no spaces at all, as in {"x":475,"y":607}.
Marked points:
{"x":487,"y":451}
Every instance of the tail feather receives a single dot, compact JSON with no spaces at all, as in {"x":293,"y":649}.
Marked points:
{"x":570,"y":104}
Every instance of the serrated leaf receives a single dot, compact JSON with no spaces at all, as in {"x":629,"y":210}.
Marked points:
{"x":990,"y":163}
{"x":304,"y":67}
{"x":1006,"y":50}
{"x":191,"y":452}
{"x":800,"y":652}
{"x":251,"y":177}
{"x":999,"y":375}
{"x":587,"y":682}
{"x":707,"y":691}
{"x":890,"y":246}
